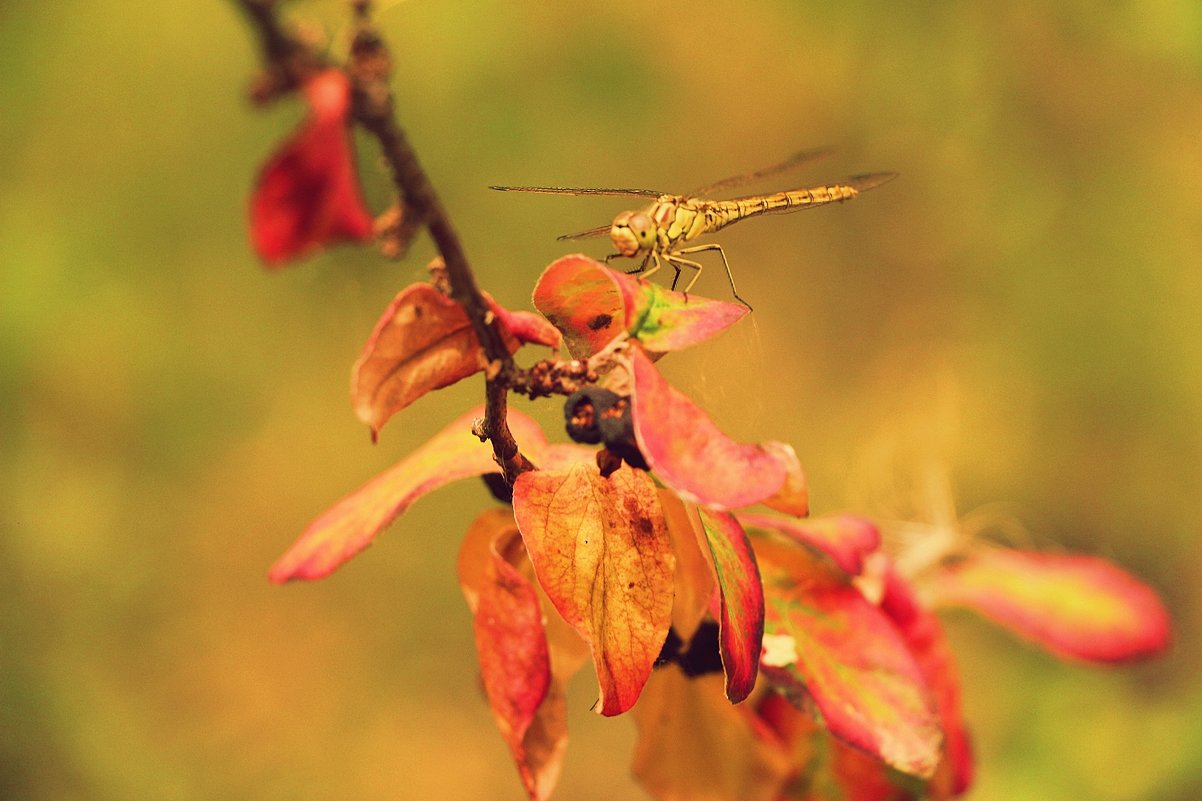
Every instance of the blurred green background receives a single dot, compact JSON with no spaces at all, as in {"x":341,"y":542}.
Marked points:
{"x":1021,"y":306}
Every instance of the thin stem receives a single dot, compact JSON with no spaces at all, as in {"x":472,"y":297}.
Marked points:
{"x":369,"y":71}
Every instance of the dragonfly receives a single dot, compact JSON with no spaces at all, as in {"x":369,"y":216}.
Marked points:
{"x":662,"y":231}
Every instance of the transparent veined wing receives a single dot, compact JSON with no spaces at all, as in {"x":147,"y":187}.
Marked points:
{"x":600,"y":230}
{"x":793,"y":162}
{"x":567,"y":190}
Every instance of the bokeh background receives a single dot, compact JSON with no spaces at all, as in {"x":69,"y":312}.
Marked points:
{"x":1019,"y":312}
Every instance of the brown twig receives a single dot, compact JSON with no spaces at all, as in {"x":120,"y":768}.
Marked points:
{"x":369,"y":71}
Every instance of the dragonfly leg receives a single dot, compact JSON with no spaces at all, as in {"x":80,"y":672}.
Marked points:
{"x":677,"y":262}
{"x":645,"y":272}
{"x":729,"y":275}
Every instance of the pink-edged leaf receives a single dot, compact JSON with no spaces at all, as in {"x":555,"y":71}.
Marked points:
{"x":823,"y":641}
{"x":687,"y":451}
{"x":1079,"y":607}
{"x":527,"y":328}
{"x":601,"y":552}
{"x":846,"y":539}
{"x":694,"y":745}
{"x":307,"y":195}
{"x":665,"y":321}
{"x":352,"y":523}
{"x":793,"y":498}
{"x":827,"y":769}
{"x":581,"y":298}
{"x":741,"y":621}
{"x":921,"y":630}
{"x":526,"y":699}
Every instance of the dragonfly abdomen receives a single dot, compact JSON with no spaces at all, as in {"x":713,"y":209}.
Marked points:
{"x":730,"y":211}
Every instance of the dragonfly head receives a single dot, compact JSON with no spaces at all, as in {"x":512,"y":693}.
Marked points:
{"x":632,"y":231}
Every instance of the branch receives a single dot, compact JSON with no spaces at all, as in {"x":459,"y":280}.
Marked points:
{"x":369,"y":71}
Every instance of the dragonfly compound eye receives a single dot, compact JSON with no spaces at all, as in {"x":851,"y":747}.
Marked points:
{"x":643,"y":228}
{"x":624,"y":239}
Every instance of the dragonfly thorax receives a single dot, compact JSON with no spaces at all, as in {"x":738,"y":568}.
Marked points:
{"x":632,"y":231}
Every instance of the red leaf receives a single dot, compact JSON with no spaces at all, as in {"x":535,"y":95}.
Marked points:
{"x":695,"y":746}
{"x":424,"y":341}
{"x":688,"y":452}
{"x":824,"y":641}
{"x":591,"y":304}
{"x":601,"y":552}
{"x":527,"y":700}
{"x":351,"y":524}
{"x":924,"y":635}
{"x":844,"y":538}
{"x":1075,"y":606}
{"x":580,"y":298}
{"x":308,"y":195}
{"x":741,"y":623}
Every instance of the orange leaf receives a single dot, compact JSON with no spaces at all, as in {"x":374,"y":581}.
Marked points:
{"x":741,"y":621}
{"x":601,"y":552}
{"x":307,"y":195}
{"x":694,"y":585}
{"x":695,"y":746}
{"x":526,"y":698}
{"x":352,"y":523}
{"x":687,"y":451}
{"x":793,"y":498}
{"x":580,"y":298}
{"x":1076,"y":606}
{"x":591,"y":304}
{"x":424,"y":341}
{"x":823,"y":640}
{"x":844,"y":538}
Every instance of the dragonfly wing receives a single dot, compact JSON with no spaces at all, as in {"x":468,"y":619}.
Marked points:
{"x":567,"y":190}
{"x":796,"y":160}
{"x":862,"y":183}
{"x":600,"y":230}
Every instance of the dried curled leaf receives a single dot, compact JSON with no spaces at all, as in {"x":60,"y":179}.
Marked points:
{"x":601,"y":552}
{"x":424,"y":341}
{"x":741,"y":613}
{"x":526,"y":697}
{"x":1079,"y":607}
{"x":307,"y":195}
{"x":823,"y":641}
{"x":352,"y":523}
{"x":687,"y":451}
